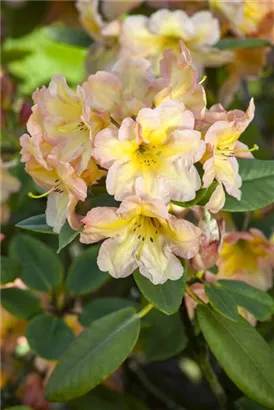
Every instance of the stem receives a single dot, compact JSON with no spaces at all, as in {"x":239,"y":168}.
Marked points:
{"x":145,"y":310}
{"x":200,"y":353}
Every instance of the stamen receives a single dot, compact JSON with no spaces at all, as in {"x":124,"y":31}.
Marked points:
{"x":203,"y":79}
{"x":31,"y":195}
{"x":254,"y":148}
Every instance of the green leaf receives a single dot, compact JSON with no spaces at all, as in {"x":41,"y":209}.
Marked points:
{"x":49,"y":336}
{"x":99,"y":350}
{"x":66,"y":236}
{"x":201,"y":198}
{"x":68,"y":35}
{"x":245,"y":404}
{"x":36,"y":223}
{"x":258,"y":186}
{"x":232,"y":43}
{"x":101,"y":307}
{"x":242,"y":352}
{"x":45,"y":59}
{"x":167,"y":297}
{"x":19,"y":408}
{"x":257,"y":302}
{"x":10,"y":270}
{"x":84,"y":276}
{"x":162,"y":336}
{"x":20,"y":302}
{"x":42,"y":269}
{"x":221,"y":301}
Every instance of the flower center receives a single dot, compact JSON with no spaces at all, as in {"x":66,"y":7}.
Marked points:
{"x":56,"y":188}
{"x":147,"y":156}
{"x":146,"y":229}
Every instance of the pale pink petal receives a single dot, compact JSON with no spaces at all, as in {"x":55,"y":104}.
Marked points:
{"x":158,"y":263}
{"x":227,"y":171}
{"x":103,"y":91}
{"x":217,"y":199}
{"x":120,"y":180}
{"x":57,"y":208}
{"x":171,"y":24}
{"x":245,"y":151}
{"x":186,"y":144}
{"x":183,"y":237}
{"x":100,"y":223}
{"x":206,"y":28}
{"x":188,"y":182}
{"x":117,"y":256}
{"x":209,"y":172}
{"x":115,"y":8}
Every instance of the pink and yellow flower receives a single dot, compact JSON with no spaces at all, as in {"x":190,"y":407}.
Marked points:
{"x":222,"y":149}
{"x":180,"y":82}
{"x":150,"y":36}
{"x":62,"y":117}
{"x":141,"y":234}
{"x":153,"y":155}
{"x":122,"y":92}
{"x":247,"y":256}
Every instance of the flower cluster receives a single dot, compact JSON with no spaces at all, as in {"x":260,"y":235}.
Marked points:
{"x":154,"y":141}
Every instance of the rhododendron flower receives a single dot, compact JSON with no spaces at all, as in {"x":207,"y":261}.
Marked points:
{"x":62,"y":117}
{"x":122,"y":92}
{"x":247,"y":256}
{"x":153,"y":155}
{"x":222,"y":149}
{"x":180,"y":82}
{"x":245,"y":17}
{"x":149,"y":36}
{"x":142,"y":234}
{"x":64,"y":189}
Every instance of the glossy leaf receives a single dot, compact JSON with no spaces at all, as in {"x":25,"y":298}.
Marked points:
{"x":258,"y":186}
{"x":242,"y":352}
{"x":49,"y":336}
{"x":22,"y":303}
{"x":232,"y":43}
{"x":101,"y":307}
{"x":99,"y":350}
{"x":255,"y":301}
{"x":66,"y":236}
{"x":221,"y":300}
{"x":84,"y":276}
{"x":10,"y":270}
{"x":162,"y":336}
{"x":167,"y":297}
{"x":36,"y":223}
{"x":42,"y":270}
{"x":42,"y":62}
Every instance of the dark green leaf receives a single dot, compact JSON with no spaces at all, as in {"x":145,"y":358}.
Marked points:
{"x":101,"y":307}
{"x":162,"y":336}
{"x":201,"y":198}
{"x":221,"y":300}
{"x":68,"y":35}
{"x":99,"y":350}
{"x":20,"y":302}
{"x":10,"y":270}
{"x":42,"y":269}
{"x":258,"y":186}
{"x":66,"y":236}
{"x":246,"y":404}
{"x":242,"y":352}
{"x":49,"y":336}
{"x":84,"y":276}
{"x":257,"y":302}
{"x":232,"y":43}
{"x":167,"y":297}
{"x":36,"y":223}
